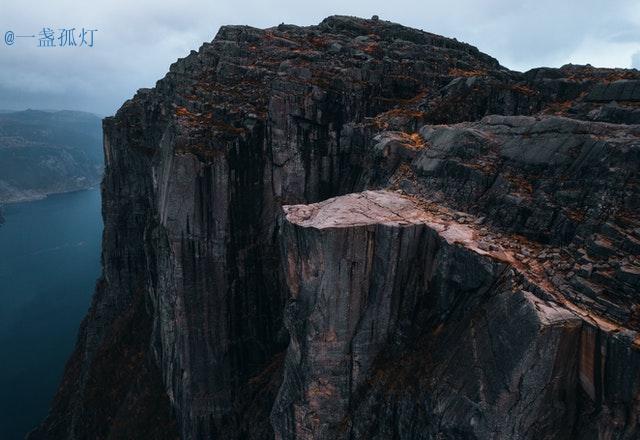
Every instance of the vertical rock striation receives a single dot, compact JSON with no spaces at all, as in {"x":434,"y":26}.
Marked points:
{"x":493,"y":296}
{"x":402,"y":327}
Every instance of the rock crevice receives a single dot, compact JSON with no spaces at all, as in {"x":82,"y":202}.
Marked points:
{"x":457,"y":257}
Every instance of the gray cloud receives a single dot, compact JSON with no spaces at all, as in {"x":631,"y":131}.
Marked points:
{"x":136,"y":42}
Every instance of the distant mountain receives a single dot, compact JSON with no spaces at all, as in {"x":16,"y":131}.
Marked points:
{"x":48,"y":152}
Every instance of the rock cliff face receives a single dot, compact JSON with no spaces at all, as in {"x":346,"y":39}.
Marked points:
{"x":405,"y":325}
{"x":361,"y":230}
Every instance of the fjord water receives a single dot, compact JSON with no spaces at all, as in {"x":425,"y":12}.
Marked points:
{"x":49,"y":263}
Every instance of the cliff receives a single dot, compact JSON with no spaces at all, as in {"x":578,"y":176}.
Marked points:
{"x":47,"y":152}
{"x":361,"y":230}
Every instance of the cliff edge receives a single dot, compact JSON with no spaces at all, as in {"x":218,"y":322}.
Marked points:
{"x":360,"y":230}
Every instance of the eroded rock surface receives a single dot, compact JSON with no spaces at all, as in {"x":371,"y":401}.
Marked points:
{"x":458,"y":256}
{"x":403,"y":326}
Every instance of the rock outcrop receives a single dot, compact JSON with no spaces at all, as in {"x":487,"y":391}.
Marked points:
{"x":404,"y":326}
{"x":457,"y":256}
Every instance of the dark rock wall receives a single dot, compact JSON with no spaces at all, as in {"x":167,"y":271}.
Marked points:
{"x":199,"y":265}
{"x":114,"y":340}
{"x":399,"y":331}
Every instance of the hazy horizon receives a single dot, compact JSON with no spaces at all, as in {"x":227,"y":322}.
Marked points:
{"x":136,"y":43}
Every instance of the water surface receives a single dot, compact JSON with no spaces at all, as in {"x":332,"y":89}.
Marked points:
{"x":49,"y":263}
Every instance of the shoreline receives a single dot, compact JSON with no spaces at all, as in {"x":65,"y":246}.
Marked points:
{"x":42,"y":196}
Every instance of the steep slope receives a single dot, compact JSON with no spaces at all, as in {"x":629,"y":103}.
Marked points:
{"x":200,"y":261}
{"x":44,"y":152}
{"x":409,"y":321}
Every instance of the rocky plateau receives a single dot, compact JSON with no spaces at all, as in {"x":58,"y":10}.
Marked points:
{"x":358,"y":230}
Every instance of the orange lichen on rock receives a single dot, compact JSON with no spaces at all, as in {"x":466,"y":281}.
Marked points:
{"x":523,"y":89}
{"x":182,"y":111}
{"x":456,"y":72}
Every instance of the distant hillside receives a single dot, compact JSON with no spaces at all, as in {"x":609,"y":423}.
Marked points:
{"x":48,"y":152}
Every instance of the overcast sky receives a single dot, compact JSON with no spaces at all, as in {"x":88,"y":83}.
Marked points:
{"x":137,"y":40}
